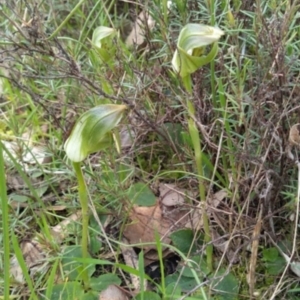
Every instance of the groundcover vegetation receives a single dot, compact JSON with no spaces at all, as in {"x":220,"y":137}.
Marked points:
{"x":149,"y":149}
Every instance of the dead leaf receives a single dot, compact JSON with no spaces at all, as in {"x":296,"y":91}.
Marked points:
{"x":126,"y":135}
{"x":131,"y":260}
{"x":170,"y":196}
{"x":56,"y":207}
{"x":215,"y":200}
{"x":145,"y":221}
{"x":24,"y":153}
{"x":152,"y":256}
{"x":195,"y":221}
{"x":221,"y":243}
{"x":60,"y":231}
{"x":36,"y":155}
{"x":112,"y":292}
{"x":137,"y":34}
{"x":35,"y":251}
{"x":294,"y":136}
{"x":35,"y":258}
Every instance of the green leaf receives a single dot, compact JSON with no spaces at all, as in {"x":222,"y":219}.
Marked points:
{"x":172,"y":291}
{"x":185,"y":283}
{"x":270,"y":254}
{"x":71,"y":266}
{"x":19,"y":198}
{"x":275,"y":267}
{"x":102,"y":282}
{"x":95,"y":244}
{"x":90,"y":295}
{"x":175,"y":132}
{"x":140,"y":194}
{"x":199,"y":264}
{"x":147,"y":295}
{"x":67,"y":291}
{"x":183,"y":239}
{"x":227,"y":287}
{"x":92,"y":131}
{"x":101,"y":33}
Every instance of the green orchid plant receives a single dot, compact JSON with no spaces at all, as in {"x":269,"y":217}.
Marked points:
{"x":91,"y":133}
{"x":191,"y":54}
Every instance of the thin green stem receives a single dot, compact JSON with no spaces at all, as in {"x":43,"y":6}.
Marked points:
{"x":161,"y":262}
{"x":83,"y":198}
{"x":5,"y":225}
{"x":165,"y":11}
{"x":212,"y":63}
{"x":195,"y":136}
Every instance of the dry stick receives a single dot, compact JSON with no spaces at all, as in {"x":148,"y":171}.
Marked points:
{"x":254,"y":250}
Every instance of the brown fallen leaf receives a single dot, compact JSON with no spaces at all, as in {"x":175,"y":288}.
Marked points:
{"x":35,"y":259}
{"x":60,"y":231}
{"x":137,"y":34}
{"x":131,"y":260}
{"x":152,"y":256}
{"x":222,"y":244}
{"x":215,"y":200}
{"x":35,"y":251}
{"x":195,"y":220}
{"x":113,"y":292}
{"x":145,"y":221}
{"x":170,"y":195}
{"x":294,"y":136}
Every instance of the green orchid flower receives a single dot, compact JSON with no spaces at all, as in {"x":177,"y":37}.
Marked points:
{"x":102,"y":40}
{"x":193,"y":39}
{"x":92,"y":131}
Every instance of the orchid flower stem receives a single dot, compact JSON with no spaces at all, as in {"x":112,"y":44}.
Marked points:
{"x":212,"y":63}
{"x":5,"y":226}
{"x":195,"y":136}
{"x":83,"y":198}
{"x":212,"y":82}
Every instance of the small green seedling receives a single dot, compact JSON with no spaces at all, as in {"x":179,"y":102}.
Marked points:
{"x":91,"y":133}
